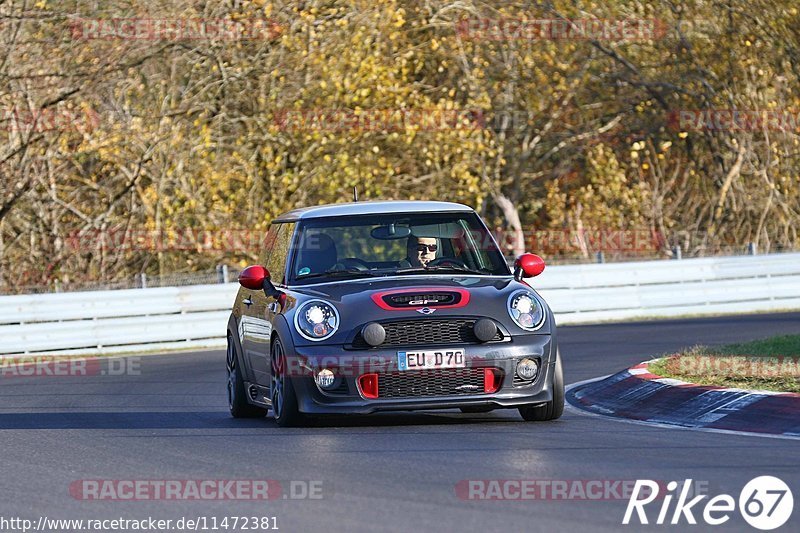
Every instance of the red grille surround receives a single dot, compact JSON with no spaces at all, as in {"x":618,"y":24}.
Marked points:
{"x":432,"y":297}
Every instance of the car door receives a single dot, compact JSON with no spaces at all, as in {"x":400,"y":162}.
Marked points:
{"x":255,"y":329}
{"x":262,"y":308}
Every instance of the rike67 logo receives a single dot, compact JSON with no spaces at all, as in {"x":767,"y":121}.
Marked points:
{"x":765,"y":503}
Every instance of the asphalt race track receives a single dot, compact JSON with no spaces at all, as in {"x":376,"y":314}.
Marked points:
{"x":166,"y":419}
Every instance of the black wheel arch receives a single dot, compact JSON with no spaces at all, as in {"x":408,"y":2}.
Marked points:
{"x":282,"y":329}
{"x":233,"y":334}
{"x":280,"y":326}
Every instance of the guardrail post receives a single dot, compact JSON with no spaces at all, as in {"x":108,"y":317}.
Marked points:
{"x":601,"y":257}
{"x":676,"y":251}
{"x":222,"y":273}
{"x":143,"y":280}
{"x":752,"y":249}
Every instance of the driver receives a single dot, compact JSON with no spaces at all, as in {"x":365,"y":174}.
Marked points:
{"x":421,"y":250}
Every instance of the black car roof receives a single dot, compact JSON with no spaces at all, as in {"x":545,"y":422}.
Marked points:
{"x":371,"y":208}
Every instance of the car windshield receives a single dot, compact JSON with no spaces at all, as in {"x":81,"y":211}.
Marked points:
{"x":394,"y":244}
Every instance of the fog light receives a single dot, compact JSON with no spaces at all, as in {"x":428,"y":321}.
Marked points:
{"x":325,"y":379}
{"x":527,"y":369}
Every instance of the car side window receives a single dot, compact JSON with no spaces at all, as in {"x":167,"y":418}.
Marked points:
{"x":276,"y":259}
{"x":269,"y":240}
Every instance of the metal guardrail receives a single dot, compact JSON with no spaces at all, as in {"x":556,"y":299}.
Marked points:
{"x":195,"y":316}
{"x":706,"y":286}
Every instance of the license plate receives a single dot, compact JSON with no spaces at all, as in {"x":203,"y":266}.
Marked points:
{"x":423,"y":360}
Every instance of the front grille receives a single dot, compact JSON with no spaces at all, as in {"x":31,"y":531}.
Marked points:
{"x":427,"y":331}
{"x":445,"y":382}
{"x":416,"y":300}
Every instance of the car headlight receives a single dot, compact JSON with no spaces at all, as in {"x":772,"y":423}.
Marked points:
{"x":525,"y":310}
{"x":316,"y":320}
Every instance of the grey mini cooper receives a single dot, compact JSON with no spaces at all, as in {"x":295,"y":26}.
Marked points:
{"x":387,"y":306}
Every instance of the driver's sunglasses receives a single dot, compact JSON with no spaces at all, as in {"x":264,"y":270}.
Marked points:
{"x":422,"y":248}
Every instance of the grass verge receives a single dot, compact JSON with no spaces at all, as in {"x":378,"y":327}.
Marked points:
{"x":765,"y":364}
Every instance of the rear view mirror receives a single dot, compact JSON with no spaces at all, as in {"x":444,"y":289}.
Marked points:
{"x":390,"y":232}
{"x":256,"y":277}
{"x":528,"y":266}
{"x":253,"y":277}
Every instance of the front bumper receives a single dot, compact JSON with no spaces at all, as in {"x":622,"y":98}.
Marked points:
{"x":349,"y":365}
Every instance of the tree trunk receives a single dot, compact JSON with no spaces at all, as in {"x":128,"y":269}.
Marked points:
{"x":516,"y":245}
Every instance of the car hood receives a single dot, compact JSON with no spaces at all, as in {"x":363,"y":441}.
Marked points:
{"x":338,"y":289}
{"x":360,"y":301}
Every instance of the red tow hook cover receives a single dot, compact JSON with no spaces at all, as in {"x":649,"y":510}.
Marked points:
{"x":491,"y":380}
{"x":368,"y":383}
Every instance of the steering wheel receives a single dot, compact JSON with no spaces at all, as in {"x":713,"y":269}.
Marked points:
{"x":448,"y":260}
{"x":350,"y":263}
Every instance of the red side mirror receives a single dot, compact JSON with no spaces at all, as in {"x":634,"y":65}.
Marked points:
{"x":253,"y":277}
{"x":528,"y":266}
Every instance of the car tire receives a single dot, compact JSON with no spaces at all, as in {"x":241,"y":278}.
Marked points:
{"x":237,"y":396}
{"x":284,"y":399}
{"x":552,"y":409}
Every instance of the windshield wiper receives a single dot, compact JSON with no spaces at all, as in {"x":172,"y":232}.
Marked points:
{"x":339,"y":273}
